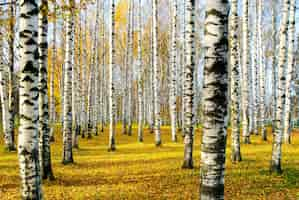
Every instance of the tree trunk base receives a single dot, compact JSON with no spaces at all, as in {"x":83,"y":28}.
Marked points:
{"x":52,"y":139}
{"x":264,"y":135}
{"x":174,"y":139}
{"x":188,"y":164}
{"x":236,"y":157}
{"x":287,"y":140}
{"x":111,"y":149}
{"x":158,"y":144}
{"x":10,"y":148}
{"x":275,"y":169}
{"x":246,"y":140}
{"x":67,"y":162}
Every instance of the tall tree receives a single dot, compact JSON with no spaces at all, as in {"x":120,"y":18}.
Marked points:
{"x":28,"y":130}
{"x":97,"y":74}
{"x":261,"y":66}
{"x":127,"y":64}
{"x":156,"y":77}
{"x":254,"y":77}
{"x":140,"y":84}
{"x":11,"y":98}
{"x":289,"y":75}
{"x":274,"y":60}
{"x":173,"y":70}
{"x":6,"y":115}
{"x":188,"y":93}
{"x":53,"y":62}
{"x":278,"y":128}
{"x":103,"y":88}
{"x":67,"y":110}
{"x":245,"y":66}
{"x":215,"y":101}
{"x":43,"y":107}
{"x":112,"y":106}
{"x":130,"y":68}
{"x":235,"y":82}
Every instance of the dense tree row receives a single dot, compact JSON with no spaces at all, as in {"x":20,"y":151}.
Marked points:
{"x":126,"y":67}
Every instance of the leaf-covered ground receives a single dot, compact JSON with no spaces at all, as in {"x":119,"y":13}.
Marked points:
{"x":142,"y":171}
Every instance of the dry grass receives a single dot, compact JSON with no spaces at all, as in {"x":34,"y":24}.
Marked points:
{"x":142,"y":171}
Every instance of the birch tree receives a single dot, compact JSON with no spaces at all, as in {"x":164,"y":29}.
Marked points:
{"x":245,"y":66}
{"x":156,"y":77}
{"x":278,"y":129}
{"x":261,"y":66}
{"x":289,"y":74}
{"x":112,"y":106}
{"x":130,"y":68}
{"x":11,"y":98}
{"x":28,"y":130}
{"x":140,"y":84}
{"x":67,"y":110}
{"x":274,"y":61}
{"x":173,"y":70}
{"x":53,"y":62}
{"x":235,"y":82}
{"x":43,"y":107}
{"x":127,"y":63}
{"x":189,"y":84}
{"x":6,"y":115}
{"x":215,"y":101}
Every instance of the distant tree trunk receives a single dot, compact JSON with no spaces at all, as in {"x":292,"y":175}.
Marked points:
{"x":127,"y":64}
{"x":11,"y":98}
{"x":152,"y":84}
{"x":254,"y":81}
{"x":188,"y":93}
{"x":43,"y":107}
{"x":215,"y":101}
{"x":261,"y":66}
{"x":84,"y":75}
{"x":67,"y":111}
{"x":28,"y":130}
{"x":156,"y":73}
{"x":235,"y":82}
{"x":278,"y":129}
{"x":130,"y":68}
{"x":274,"y":62}
{"x":76,"y":87}
{"x":245,"y":65}
{"x":6,"y":115}
{"x":97,"y":75}
{"x":53,"y":62}
{"x":103,"y":88}
{"x":140,"y":84}
{"x":290,"y":70}
{"x":112,"y":106}
{"x":173,"y":77}
{"x":256,"y":69}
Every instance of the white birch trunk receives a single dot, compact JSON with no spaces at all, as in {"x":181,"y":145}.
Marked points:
{"x":235,"y":82}
{"x":278,"y":129}
{"x":28,"y":130}
{"x":67,"y":110}
{"x":245,"y":66}
{"x":173,"y":69}
{"x":112,"y":106}
{"x":289,"y":74}
{"x":188,"y":92}
{"x":156,"y":73}
{"x":43,"y":107}
{"x":215,"y":101}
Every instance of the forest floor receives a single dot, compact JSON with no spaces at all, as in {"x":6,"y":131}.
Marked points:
{"x":143,"y":171}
